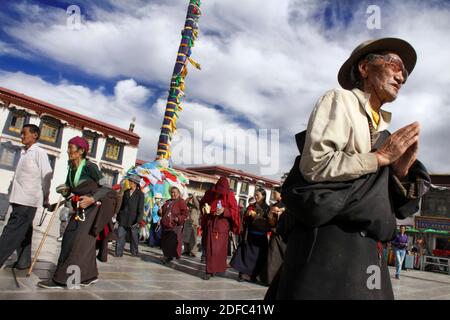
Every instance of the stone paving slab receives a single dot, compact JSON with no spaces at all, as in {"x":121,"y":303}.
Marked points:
{"x":420,"y":285}
{"x":47,"y":295}
{"x":146,"y":278}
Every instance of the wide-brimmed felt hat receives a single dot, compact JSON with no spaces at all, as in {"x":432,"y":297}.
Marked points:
{"x":401,"y":47}
{"x":135,"y":178}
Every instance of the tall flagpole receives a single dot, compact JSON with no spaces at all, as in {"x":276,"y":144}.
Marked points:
{"x":176,"y":91}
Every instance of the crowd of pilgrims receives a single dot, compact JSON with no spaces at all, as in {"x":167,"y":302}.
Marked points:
{"x":211,"y":226}
{"x":95,"y":215}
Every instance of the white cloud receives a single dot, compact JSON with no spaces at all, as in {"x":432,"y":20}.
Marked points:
{"x":129,"y":100}
{"x":267,"y":61}
{"x":118,"y":109}
{"x":128,"y":93}
{"x":8,"y":50}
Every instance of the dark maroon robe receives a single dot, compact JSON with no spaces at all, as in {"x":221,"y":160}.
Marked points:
{"x":78,"y":245}
{"x":172,"y":231}
{"x":216,"y":228}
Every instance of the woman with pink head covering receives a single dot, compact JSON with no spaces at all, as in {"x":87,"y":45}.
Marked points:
{"x":93,"y":205}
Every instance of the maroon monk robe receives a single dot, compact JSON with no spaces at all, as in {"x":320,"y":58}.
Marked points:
{"x":216,"y":227}
{"x":172,"y":234}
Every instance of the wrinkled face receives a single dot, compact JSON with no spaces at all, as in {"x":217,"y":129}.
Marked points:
{"x":384,"y":75}
{"x":174,"y":193}
{"x":258,"y":196}
{"x":74,"y":152}
{"x":27,"y":137}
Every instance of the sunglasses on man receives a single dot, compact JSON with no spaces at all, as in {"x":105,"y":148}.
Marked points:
{"x":392,"y":62}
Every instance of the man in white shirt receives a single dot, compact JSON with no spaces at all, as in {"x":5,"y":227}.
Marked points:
{"x":30,"y":190}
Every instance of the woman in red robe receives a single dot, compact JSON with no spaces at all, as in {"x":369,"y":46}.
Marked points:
{"x":219,"y":215}
{"x":174,"y":212}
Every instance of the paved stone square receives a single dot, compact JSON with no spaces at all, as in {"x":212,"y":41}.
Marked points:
{"x":145,"y":278}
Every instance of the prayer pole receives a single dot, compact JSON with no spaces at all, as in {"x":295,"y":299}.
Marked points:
{"x":176,"y":91}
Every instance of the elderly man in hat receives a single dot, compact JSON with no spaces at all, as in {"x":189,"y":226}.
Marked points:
{"x":130,"y":215}
{"x":351,"y":181}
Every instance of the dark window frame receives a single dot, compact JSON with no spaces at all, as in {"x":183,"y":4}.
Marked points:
{"x":11,"y":113}
{"x":248,"y":188}
{"x":10,"y":146}
{"x":113,"y":172}
{"x":52,"y":160}
{"x":56,"y":122}
{"x":235,"y":184}
{"x":245,"y":200}
{"x":122,"y":147}
{"x":272,"y":195}
{"x":93,"y":152}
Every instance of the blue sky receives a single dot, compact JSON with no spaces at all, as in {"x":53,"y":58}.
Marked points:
{"x":264,"y":63}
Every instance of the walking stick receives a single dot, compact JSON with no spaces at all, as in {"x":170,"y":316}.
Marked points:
{"x":44,"y":237}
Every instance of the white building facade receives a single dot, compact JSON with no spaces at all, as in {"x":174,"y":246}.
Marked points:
{"x":243,"y":184}
{"x":113,"y":149}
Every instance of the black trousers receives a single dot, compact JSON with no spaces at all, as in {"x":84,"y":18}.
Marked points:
{"x":17,"y":235}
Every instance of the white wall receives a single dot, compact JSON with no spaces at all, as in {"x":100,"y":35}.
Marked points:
{"x":60,"y":171}
{"x":3,"y":116}
{"x":129,"y":159}
{"x":5,"y":178}
{"x":5,"y":175}
{"x":101,"y":143}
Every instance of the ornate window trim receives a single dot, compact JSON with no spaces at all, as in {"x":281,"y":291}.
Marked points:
{"x":95,"y":136}
{"x":9,"y":146}
{"x":15,"y":112}
{"x":52,"y":122}
{"x":121,"y":146}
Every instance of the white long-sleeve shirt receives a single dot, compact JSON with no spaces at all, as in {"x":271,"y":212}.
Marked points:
{"x":31,"y":183}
